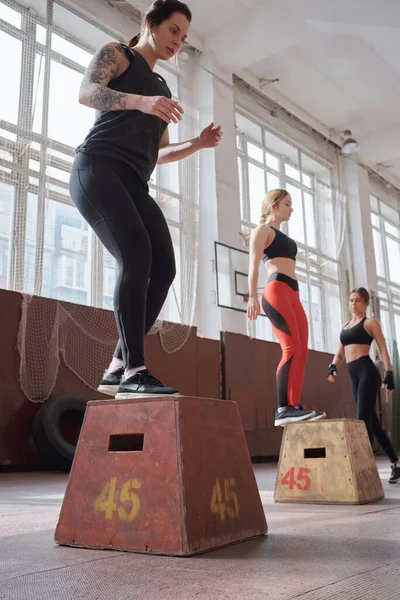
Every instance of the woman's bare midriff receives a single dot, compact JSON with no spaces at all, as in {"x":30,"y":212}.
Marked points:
{"x":355,"y":351}
{"x":287,"y":266}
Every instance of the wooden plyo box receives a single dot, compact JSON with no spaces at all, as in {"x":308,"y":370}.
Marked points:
{"x":328,"y":462}
{"x":170,"y":475}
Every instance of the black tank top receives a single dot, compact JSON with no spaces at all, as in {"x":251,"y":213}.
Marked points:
{"x":356,"y":335}
{"x":282,"y":246}
{"x":130,"y":135}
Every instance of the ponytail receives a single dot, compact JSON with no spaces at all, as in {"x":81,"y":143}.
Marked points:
{"x":134,"y":41}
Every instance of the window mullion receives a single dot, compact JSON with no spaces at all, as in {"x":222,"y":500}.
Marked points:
{"x":307,"y":255}
{"x":21,"y":156}
{"x":265,"y":172}
{"x":42,"y":188}
{"x":282,"y":183}
{"x":386,"y":267}
{"x":96,"y":271}
{"x":185,"y":226}
{"x":246,"y":186}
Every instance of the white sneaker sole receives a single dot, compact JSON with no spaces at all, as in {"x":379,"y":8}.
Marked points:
{"x":318,"y":417}
{"x":133,"y":395}
{"x":281,"y":422}
{"x":110,"y":390}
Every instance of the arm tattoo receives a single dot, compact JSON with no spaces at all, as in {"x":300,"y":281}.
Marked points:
{"x":102,"y":69}
{"x":103,"y":66}
{"x":105,"y":99}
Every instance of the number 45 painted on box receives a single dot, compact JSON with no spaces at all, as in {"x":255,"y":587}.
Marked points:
{"x":292,"y":481}
{"x":229,"y":504}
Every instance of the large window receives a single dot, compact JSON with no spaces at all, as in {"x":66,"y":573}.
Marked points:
{"x":166,"y":188}
{"x":46,"y":248}
{"x":265,"y":162}
{"x":386,"y":235}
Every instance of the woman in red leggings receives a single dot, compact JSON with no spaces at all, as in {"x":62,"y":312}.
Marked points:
{"x":281,"y":303}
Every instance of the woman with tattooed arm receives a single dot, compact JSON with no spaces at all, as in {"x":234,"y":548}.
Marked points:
{"x":109,"y":181}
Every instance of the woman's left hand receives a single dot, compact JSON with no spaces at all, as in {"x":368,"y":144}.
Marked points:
{"x":388,"y":382}
{"x":388,"y":391}
{"x":211,"y":136}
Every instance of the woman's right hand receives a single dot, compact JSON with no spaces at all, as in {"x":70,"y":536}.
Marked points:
{"x":332,"y":371}
{"x":253,"y":308}
{"x":166,"y":109}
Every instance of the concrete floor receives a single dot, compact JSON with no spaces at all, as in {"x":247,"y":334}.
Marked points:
{"x":311,"y":553}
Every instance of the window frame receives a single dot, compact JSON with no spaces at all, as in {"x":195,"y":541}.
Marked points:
{"x":388,"y":291}
{"x":37,"y":181}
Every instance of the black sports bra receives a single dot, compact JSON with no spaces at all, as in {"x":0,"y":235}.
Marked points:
{"x":282,"y":246}
{"x":356,"y":335}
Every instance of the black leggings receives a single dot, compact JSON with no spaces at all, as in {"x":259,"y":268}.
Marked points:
{"x":365,"y":382}
{"x":115,"y":202}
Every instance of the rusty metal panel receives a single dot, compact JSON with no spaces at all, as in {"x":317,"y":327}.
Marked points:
{"x":178,"y":369}
{"x":249,"y":377}
{"x":265,"y":358}
{"x":249,"y":380}
{"x":238,"y":377}
{"x":208,"y":368}
{"x":264,"y":443}
{"x":335,"y":399}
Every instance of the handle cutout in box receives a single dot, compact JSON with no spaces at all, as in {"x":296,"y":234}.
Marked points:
{"x":126,"y":442}
{"x":314,"y":452}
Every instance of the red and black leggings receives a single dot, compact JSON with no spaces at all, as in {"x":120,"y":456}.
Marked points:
{"x":281,"y":303}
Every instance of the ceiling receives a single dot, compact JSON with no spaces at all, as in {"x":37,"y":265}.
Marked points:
{"x":337,"y":62}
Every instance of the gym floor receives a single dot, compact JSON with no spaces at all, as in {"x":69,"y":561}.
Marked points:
{"x":312,"y":552}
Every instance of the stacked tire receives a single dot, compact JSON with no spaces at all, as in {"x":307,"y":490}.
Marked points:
{"x":56,"y":427}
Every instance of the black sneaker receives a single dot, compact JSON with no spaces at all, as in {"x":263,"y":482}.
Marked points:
{"x":318,"y":415}
{"x":292,"y":415}
{"x":142,"y":384}
{"x":111,"y":381}
{"x":395,"y":475}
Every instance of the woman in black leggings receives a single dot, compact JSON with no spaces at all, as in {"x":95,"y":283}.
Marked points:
{"x":365,"y":380}
{"x":109,"y":181}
